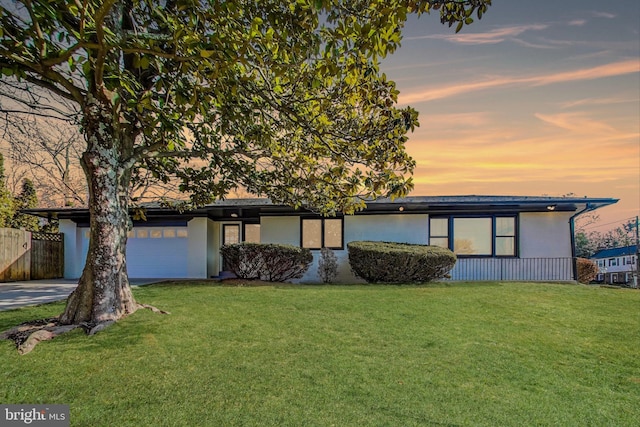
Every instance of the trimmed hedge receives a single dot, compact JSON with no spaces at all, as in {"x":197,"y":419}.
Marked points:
{"x":385,"y":262}
{"x":587,"y":270}
{"x":269,"y":262}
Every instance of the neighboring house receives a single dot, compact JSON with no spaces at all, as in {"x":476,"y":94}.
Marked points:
{"x":617,"y":266}
{"x":495,"y":237}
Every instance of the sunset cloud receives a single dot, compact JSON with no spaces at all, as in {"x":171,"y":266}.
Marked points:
{"x":440,"y":92}
{"x":536,"y":103}
{"x":576,"y":122}
{"x":598,"y":101}
{"x":498,"y":35}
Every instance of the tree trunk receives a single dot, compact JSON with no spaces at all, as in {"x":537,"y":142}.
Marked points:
{"x":103,"y":293}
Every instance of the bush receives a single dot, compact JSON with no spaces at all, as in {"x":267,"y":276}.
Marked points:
{"x":270,"y":262}
{"x":327,"y":266}
{"x":383,"y":262}
{"x":587,"y":270}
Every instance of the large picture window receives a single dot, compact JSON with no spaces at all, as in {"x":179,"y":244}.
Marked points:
{"x":475,"y":236}
{"x":322,"y":232}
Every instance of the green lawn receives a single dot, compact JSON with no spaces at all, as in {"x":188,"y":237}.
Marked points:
{"x":508,"y":354}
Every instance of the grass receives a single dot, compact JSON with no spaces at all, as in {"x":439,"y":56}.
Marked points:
{"x":468,"y":354}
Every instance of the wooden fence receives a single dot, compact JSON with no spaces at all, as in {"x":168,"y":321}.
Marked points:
{"x":30,"y":256}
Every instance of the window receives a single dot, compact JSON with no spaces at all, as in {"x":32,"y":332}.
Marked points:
{"x":472,"y":236}
{"x":475,"y":236}
{"x":319,"y":233}
{"x":505,"y":236}
{"x":252,"y":233}
{"x":614,"y":278}
{"x":613,"y":262}
{"x":439,"y":232}
{"x":155,"y":233}
{"x":230,"y":234}
{"x":600,"y":277}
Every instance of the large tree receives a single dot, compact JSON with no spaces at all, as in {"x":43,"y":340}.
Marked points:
{"x":284,"y":98}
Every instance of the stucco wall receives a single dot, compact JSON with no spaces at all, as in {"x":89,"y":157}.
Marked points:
{"x":404,"y":228}
{"x":197,"y":250}
{"x":545,"y":235}
{"x":213,"y":248}
{"x":280,"y":229}
{"x":74,"y":257}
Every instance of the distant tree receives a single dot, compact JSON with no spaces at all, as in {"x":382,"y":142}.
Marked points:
{"x":283,"y":98}
{"x":586,"y":246}
{"x":27,"y":199}
{"x":589,"y":242}
{"x":47,"y":151}
{"x":6,"y":199}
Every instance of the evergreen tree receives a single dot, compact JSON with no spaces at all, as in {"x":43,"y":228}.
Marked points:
{"x":27,"y":199}
{"x":6,"y":200}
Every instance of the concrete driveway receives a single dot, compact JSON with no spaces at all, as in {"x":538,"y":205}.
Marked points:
{"x":34,"y":292}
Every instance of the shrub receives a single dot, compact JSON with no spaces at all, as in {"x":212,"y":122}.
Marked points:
{"x":270,"y":262}
{"x":587,"y":270}
{"x":327,"y":266}
{"x":383,"y":262}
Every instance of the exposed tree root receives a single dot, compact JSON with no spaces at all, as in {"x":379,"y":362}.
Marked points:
{"x":152,"y":308}
{"x":27,"y":335}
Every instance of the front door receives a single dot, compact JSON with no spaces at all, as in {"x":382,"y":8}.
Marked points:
{"x":230,"y":236}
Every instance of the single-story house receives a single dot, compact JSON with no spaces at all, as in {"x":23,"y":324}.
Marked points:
{"x":617,"y":266}
{"x":495,"y":237}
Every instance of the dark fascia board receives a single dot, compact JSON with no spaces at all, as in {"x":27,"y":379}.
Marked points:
{"x":253,"y":208}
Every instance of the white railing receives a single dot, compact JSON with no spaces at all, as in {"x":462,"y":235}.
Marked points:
{"x":515,"y":269}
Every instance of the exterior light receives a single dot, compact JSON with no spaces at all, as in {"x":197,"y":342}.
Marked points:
{"x":551,"y":207}
{"x":401,"y":208}
{"x":234,"y":215}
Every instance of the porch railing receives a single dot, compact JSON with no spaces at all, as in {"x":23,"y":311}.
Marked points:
{"x":515,"y":269}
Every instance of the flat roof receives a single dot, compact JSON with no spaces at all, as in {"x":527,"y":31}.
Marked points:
{"x":255,"y":207}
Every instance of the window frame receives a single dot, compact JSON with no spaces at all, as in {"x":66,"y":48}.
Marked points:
{"x":244,"y":230}
{"x":451,"y":231}
{"x":322,"y":232}
{"x":238,"y":226}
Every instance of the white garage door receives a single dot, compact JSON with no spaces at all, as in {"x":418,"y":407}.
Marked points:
{"x":154,"y":252}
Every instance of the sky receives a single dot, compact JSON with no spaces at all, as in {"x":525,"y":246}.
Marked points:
{"x":536,"y":98}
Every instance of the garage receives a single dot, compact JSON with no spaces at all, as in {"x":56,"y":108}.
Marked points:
{"x":154,"y":252}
